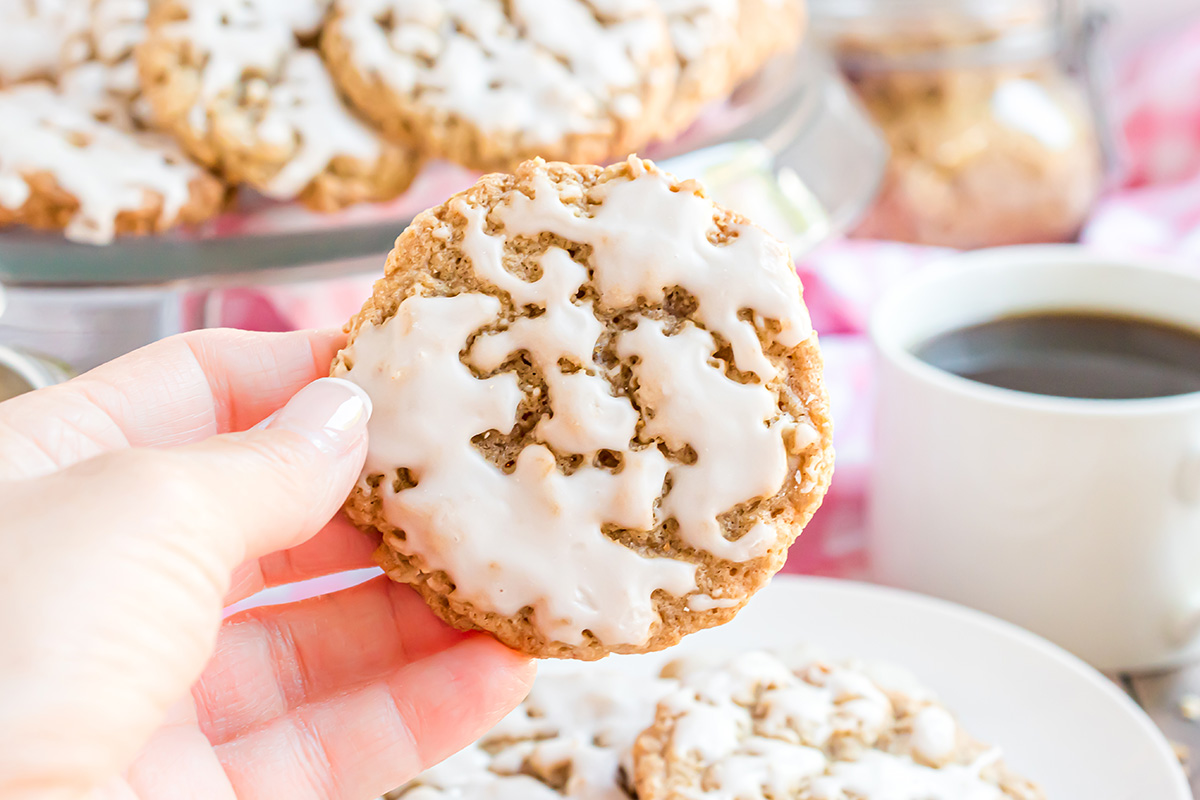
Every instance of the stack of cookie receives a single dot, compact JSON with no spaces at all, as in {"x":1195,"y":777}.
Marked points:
{"x":134,"y":116}
{"x":757,"y":727}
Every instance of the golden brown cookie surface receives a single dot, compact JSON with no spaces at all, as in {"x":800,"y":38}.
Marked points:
{"x":599,"y":418}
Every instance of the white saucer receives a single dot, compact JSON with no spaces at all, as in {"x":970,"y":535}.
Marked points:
{"x":1058,"y":721}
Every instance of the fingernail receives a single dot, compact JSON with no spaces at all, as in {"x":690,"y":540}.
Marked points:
{"x":331,"y":413}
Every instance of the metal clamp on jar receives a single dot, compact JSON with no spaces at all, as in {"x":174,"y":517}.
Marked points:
{"x":990,"y":110}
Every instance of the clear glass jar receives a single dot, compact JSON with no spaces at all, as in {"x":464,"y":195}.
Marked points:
{"x":989,"y":109}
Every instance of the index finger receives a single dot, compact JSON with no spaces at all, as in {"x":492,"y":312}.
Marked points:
{"x":180,"y":390}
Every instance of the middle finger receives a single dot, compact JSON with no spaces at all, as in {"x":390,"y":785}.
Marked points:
{"x":270,"y":660}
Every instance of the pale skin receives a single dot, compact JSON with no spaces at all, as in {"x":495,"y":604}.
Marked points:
{"x":136,"y":504}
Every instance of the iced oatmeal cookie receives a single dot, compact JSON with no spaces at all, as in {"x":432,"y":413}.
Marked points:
{"x":571,"y":738}
{"x":235,"y":82}
{"x":62,"y":169}
{"x":756,"y":728}
{"x":599,"y":416}
{"x":487,"y":83}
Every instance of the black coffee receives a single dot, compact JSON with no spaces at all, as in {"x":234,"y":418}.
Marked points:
{"x":1073,"y":354}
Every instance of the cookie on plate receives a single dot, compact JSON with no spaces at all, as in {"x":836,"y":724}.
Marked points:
{"x":488,"y":83}
{"x":233,"y":81}
{"x":61,"y":169}
{"x":572,"y":737}
{"x":599,"y":414}
{"x":755,"y":728}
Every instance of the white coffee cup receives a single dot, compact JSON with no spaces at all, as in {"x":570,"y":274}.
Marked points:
{"x":1077,"y":519}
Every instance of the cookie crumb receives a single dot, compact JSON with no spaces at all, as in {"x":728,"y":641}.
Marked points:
{"x":1189,"y":706}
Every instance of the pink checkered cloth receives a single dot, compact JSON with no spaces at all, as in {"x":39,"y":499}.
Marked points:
{"x":1156,"y":210}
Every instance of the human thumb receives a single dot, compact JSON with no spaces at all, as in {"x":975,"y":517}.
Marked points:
{"x":232,"y":497}
{"x":281,"y":481}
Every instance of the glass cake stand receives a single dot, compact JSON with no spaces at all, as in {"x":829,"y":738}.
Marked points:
{"x":791,"y":148}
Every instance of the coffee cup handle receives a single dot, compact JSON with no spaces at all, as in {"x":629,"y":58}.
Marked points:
{"x":1187,"y":488}
{"x":1188,"y":479}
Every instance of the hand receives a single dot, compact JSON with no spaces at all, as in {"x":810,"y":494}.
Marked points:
{"x":132,"y":513}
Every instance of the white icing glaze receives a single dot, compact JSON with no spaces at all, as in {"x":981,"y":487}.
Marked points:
{"x":799,"y":709}
{"x":740,"y":456}
{"x":704,"y":602}
{"x":709,"y":732}
{"x":544,"y":546}
{"x":100,"y":71}
{"x":14,"y":191}
{"x":763,"y":768}
{"x":118,"y":26}
{"x":35,"y":36}
{"x":807,"y":709}
{"x":303,"y":120}
{"x":541,"y":69}
{"x":111,"y":95}
{"x":934,"y":734}
{"x":589,"y":720}
{"x":715,"y":725}
{"x":305,"y":111}
{"x":739,"y":680}
{"x":880,"y":776}
{"x":586,"y":416}
{"x":107,"y":170}
{"x":490,"y":787}
{"x":863,"y":709}
{"x":101,"y":91}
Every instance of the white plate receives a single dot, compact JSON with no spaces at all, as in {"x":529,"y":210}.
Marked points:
{"x":1058,"y":721}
